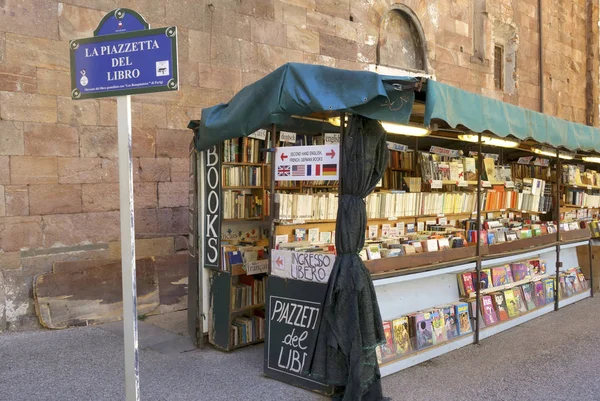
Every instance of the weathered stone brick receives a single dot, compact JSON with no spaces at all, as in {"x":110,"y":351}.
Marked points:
{"x":30,"y":17}
{"x":346,"y":29}
{"x":17,"y":78}
{"x":152,"y":10}
{"x":173,"y":143}
{"x":77,"y":22}
{"x":294,"y":15}
{"x":338,"y":48}
{"x":53,"y":82}
{"x":37,"y":52}
{"x":98,"y":142}
{"x":181,"y":243}
{"x":10,"y":260}
{"x":319,"y":22}
{"x":110,"y":170}
{"x":270,"y":57}
{"x":226,"y":51}
{"x":179,"y":117}
{"x":145,"y":248}
{"x":198,"y":46}
{"x":172,"y":221}
{"x":51,"y":140}
{"x":351,"y":65}
{"x":256,"y":8}
{"x":204,"y":97}
{"x":146,"y":223}
{"x":302,"y":39}
{"x":268,"y":32}
{"x":153,"y":170}
{"x":2,"y":46}
{"x":20,"y":106}
{"x":54,"y":199}
{"x":105,"y":197}
{"x":311,"y":58}
{"x":219,"y":77}
{"x":145,"y":195}
{"x":154,"y":115}
{"x":108,"y":113}
{"x":336,"y":8}
{"x":172,"y":194}
{"x":2,"y":202}
{"x":75,"y":170}
{"x":17,"y":200}
{"x":11,"y":138}
{"x":33,"y":170}
{"x":192,"y":14}
{"x":143,"y":142}
{"x":105,"y":5}
{"x":80,"y":228}
{"x":225,"y":22}
{"x":18,"y":233}
{"x":4,"y":170}
{"x":81,"y":112}
{"x":180,"y":170}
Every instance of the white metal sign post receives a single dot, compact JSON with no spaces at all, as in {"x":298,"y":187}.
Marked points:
{"x":125,"y":57}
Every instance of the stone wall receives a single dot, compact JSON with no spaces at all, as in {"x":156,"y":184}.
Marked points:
{"x":58,"y":169}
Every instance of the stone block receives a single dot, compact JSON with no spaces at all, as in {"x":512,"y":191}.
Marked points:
{"x":198,"y":46}
{"x":11,"y":138}
{"x":43,"y":260}
{"x":80,"y":228}
{"x":256,"y":8}
{"x":249,"y":56}
{"x":33,"y":170}
{"x":346,"y":29}
{"x":268,"y":32}
{"x":110,"y":170}
{"x":311,"y":58}
{"x":36,"y":52}
{"x":179,"y":117}
{"x":180,"y":169}
{"x":17,"y":200}
{"x":77,"y":22}
{"x":100,"y":197}
{"x":18,"y":233}
{"x":307,"y":4}
{"x":105,"y":5}
{"x":2,"y":202}
{"x":108,"y":113}
{"x":154,"y":170}
{"x":271,"y":57}
{"x":145,"y":195}
{"x":50,"y":140}
{"x":54,"y":199}
{"x":181,"y":243}
{"x":146,"y":223}
{"x":4,"y":170}
{"x":338,"y":48}
{"x":172,"y":221}
{"x":53,"y":82}
{"x":173,"y":143}
{"x":218,"y":77}
{"x":336,"y":8}
{"x":98,"y":142}
{"x":20,"y":106}
{"x":145,"y":248}
{"x":302,"y":39}
{"x":154,"y":115}
{"x":18,"y":78}
{"x":152,"y":10}
{"x":143,"y":142}
{"x":75,"y":170}
{"x":172,"y":194}
{"x":81,"y":112}
{"x":225,"y":22}
{"x":226,"y":51}
{"x":190,"y":78}
{"x":10,"y":260}
{"x":192,"y":14}
{"x":30,"y":17}
{"x":294,"y":15}
{"x":319,"y":22}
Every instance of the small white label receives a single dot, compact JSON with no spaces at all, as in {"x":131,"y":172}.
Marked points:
{"x":486,"y":184}
{"x":509,"y":184}
{"x":589,"y":187}
{"x":436,"y":184}
{"x":260,"y":134}
{"x":331,"y":138}
{"x":298,"y":221}
{"x":162,"y":68}
{"x":462,"y":183}
{"x":289,"y":137}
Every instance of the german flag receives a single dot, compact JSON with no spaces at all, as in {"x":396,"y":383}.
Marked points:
{"x":329,"y":169}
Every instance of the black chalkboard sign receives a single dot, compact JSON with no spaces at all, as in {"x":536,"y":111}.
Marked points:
{"x":212,"y":208}
{"x":294,"y":310}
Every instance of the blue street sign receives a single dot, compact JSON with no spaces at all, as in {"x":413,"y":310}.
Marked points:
{"x":119,"y":21}
{"x":124,"y":64}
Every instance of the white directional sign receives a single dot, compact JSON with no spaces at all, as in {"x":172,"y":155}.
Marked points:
{"x":299,"y":163}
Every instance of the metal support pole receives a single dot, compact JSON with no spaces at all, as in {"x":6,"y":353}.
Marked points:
{"x":341,"y":165}
{"x":272,"y":149}
{"x":478,"y":243}
{"x":591,"y":270}
{"x":557,"y":213}
{"x":130,"y":325}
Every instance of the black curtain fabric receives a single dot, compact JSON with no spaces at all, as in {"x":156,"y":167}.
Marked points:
{"x":351,"y":326}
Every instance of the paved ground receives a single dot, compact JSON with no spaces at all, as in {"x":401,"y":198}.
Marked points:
{"x":555,"y":357}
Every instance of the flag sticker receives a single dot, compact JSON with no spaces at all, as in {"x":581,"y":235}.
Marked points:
{"x":298,"y":171}
{"x":308,"y":170}
{"x":283,"y":171}
{"x":329,"y":169}
{"x":318,"y":169}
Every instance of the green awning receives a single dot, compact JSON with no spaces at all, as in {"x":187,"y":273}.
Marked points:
{"x":479,"y":113}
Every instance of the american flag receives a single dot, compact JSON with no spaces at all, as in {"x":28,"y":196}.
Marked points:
{"x":298,"y":171}
{"x":283,"y":171}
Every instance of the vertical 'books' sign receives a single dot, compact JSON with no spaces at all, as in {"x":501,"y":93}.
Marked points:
{"x":212,"y":208}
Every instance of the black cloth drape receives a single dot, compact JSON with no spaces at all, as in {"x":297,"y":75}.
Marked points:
{"x":351,"y":326}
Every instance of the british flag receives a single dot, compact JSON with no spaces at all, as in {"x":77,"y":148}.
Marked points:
{"x":283,"y":171}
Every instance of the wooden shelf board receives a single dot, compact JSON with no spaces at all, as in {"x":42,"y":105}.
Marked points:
{"x":247,"y":308}
{"x":242,"y":164}
{"x":246,"y":344}
{"x":510,"y":285}
{"x":515,"y":321}
{"x":242,"y":187}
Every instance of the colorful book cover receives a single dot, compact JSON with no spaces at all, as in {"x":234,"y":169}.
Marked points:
{"x":488,"y":274}
{"x":487,"y":310}
{"x":450,"y":321}
{"x":401,"y":335}
{"x":518,"y":291}
{"x":464,"y":320}
{"x":300,"y":234}
{"x":582,"y":280}
{"x":484,"y":279}
{"x":528,"y":296}
{"x":499,"y":276}
{"x":424,"y":334}
{"x":520,"y":271}
{"x":539,"y":294}
{"x":466,"y":286}
{"x":511,"y":303}
{"x":500,"y":305}
{"x":574,"y":282}
{"x":387,"y":349}
{"x":538,"y":267}
{"x":569,"y":286}
{"x":313,"y":234}
{"x":549,"y":290}
{"x":562,"y":288}
{"x":437,"y":326}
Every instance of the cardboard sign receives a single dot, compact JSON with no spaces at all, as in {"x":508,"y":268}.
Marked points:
{"x":260,"y":134}
{"x":304,"y":266}
{"x":331,"y":138}
{"x":289,"y":137}
{"x":397,"y":147}
{"x":444,"y":151}
{"x":525,"y":160}
{"x":300,"y":163}
{"x":256,"y":267}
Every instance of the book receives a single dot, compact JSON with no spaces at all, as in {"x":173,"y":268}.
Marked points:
{"x":387,"y":349}
{"x":437,"y":326}
{"x":528,"y":296}
{"x":549,"y":290}
{"x":463,"y":318}
{"x":281,"y":239}
{"x":520,"y":271}
{"x":490,"y":169}
{"x":539,"y":295}
{"x":401,"y":335}
{"x":424,"y":335}
{"x":538,"y":266}
{"x":511,"y":303}
{"x":325,"y":237}
{"x":484,"y":279}
{"x":300,"y":234}
{"x":363,"y":254}
{"x":465,"y":284}
{"x":500,"y":305}
{"x":313,"y":234}
{"x":518,"y":291}
{"x":499,"y":276}
{"x":450,"y":321}
{"x":488,"y":311}
{"x":470,"y":169}
{"x":373,"y":252}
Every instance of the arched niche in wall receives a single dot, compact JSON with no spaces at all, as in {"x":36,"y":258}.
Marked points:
{"x":402,"y":41}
